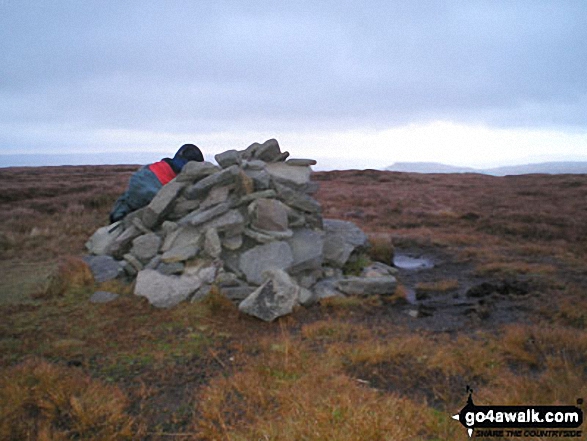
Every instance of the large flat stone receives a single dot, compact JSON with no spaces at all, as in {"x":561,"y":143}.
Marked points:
{"x":205,"y":214}
{"x":276,"y":297}
{"x":165,"y":291}
{"x":228,"y":158}
{"x":216,"y":196}
{"x":180,"y":253}
{"x":185,"y":235}
{"x":296,"y":176}
{"x":268,"y":151}
{"x":232,"y":222}
{"x":101,"y":241}
{"x":263,"y":257}
{"x":296,"y":199}
{"x":307,"y":248}
{"x":223,"y":177}
{"x":103,"y":297}
{"x":103,"y":268}
{"x":340,"y":240}
{"x":145,"y":247}
{"x":367,"y":286}
{"x":194,"y":171}
{"x":161,"y":204}
{"x":269,"y":215}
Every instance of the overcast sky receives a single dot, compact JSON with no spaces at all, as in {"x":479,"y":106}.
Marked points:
{"x":352,"y":84}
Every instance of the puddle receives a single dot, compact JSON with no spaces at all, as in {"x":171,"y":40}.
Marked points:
{"x":406,"y":262}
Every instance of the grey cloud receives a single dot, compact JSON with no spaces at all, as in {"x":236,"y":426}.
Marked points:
{"x":174,"y":65}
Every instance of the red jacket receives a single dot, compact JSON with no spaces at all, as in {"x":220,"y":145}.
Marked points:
{"x":163,"y":171}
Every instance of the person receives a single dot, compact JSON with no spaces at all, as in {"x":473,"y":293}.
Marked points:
{"x":149,"y":179}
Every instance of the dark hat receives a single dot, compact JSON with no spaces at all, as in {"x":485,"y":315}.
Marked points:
{"x":189,"y":152}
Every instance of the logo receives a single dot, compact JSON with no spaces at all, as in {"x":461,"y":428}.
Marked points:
{"x":536,"y":421}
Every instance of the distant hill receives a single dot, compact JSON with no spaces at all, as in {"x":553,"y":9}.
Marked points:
{"x":429,"y":167}
{"x":552,"y":168}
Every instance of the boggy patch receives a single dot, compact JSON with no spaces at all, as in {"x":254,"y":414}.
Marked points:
{"x":503,"y":287}
{"x":415,"y":381}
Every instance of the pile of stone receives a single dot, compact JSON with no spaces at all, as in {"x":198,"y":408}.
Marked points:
{"x":249,"y":226}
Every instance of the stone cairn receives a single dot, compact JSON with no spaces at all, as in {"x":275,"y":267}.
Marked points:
{"x":249,"y":226}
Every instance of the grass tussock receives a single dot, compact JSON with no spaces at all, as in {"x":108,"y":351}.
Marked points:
{"x":40,"y":400}
{"x":438,"y":286}
{"x":72,"y":273}
{"x":381,"y":247}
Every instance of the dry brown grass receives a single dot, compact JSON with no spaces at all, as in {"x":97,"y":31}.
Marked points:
{"x":438,"y":285}
{"x":338,"y":371}
{"x":43,"y":401}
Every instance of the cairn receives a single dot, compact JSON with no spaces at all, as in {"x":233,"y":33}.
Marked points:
{"x":249,"y":226}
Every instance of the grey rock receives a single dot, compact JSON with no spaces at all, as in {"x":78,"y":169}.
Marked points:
{"x":122,"y":243}
{"x":300,"y":162}
{"x":281,"y":157}
{"x":296,"y":199}
{"x":231,"y":223}
{"x":257,"y":195}
{"x":194,"y":171}
{"x":162,"y":203}
{"x":201,"y":293}
{"x":261,"y":178}
{"x":276,"y":297}
{"x":185,"y":235}
{"x":180,"y":253}
{"x":307,"y":250}
{"x":340,"y":240}
{"x":311,"y":187}
{"x":248,"y":153}
{"x":129,"y":270}
{"x":263,"y":257}
{"x":330,"y":272}
{"x":378,"y":269}
{"x":165,"y":291}
{"x":103,"y":297}
{"x":295,"y":176}
{"x":137,"y":222}
{"x":233,"y":242}
{"x":228,"y":158}
{"x":265,"y":236}
{"x":104,"y":268}
{"x":307,"y":279}
{"x":102,"y":240}
{"x":183,"y":206}
{"x":168,"y":227}
{"x":171,"y":268}
{"x":269,"y":215}
{"x":306,"y":297}
{"x":254,"y":164}
{"x":216,"y":196}
{"x":136,"y":263}
{"x":236,"y":293}
{"x":204,"y":214}
{"x":226,"y":278}
{"x":295,"y":218}
{"x":145,"y":247}
{"x":268,"y":151}
{"x":204,"y":269}
{"x":326,"y":288}
{"x":367,"y":286}
{"x":212,"y":244}
{"x":154,"y":262}
{"x":226,"y":176}
{"x":314,"y":220}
